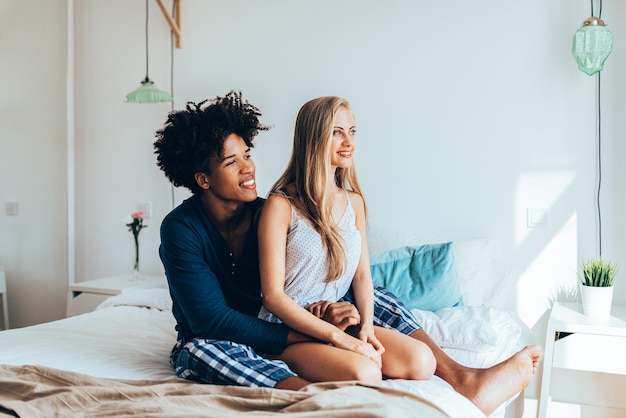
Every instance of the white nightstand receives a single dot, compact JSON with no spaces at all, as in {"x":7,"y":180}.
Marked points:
{"x":110,"y":286}
{"x":565,"y":319}
{"x":3,"y":293}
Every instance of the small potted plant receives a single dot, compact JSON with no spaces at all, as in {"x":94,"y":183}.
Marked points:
{"x":596,"y":287}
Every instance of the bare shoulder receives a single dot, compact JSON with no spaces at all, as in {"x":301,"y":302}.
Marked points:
{"x":274,"y":225}
{"x":277,"y":200}
{"x":276,"y":205}
{"x":357,"y":201}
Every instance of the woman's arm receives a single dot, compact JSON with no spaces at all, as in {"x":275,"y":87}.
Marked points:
{"x":362,"y":282}
{"x":273,"y":228}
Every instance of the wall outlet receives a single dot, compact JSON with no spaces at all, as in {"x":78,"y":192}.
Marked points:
{"x":11,"y":207}
{"x":146,"y":208}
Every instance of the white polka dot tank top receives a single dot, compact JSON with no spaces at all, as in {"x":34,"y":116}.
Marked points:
{"x":306,"y":264}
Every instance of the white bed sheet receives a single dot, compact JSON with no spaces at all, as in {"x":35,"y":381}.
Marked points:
{"x":121,"y":342}
{"x":130,"y":336}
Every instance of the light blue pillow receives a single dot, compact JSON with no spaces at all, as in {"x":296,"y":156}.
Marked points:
{"x":422,"y":277}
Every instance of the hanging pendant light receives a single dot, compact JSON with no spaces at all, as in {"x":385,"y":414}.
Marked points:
{"x":147,"y":92}
{"x":592,"y":44}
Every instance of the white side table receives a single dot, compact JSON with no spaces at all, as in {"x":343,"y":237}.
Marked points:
{"x":568,"y":318}
{"x":111,"y":286}
{"x":3,"y":292}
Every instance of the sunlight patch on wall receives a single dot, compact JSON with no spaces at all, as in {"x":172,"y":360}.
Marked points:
{"x":550,"y":274}
{"x":535,"y":196}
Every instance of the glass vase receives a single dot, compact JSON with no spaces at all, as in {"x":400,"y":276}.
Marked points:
{"x":136,"y":275}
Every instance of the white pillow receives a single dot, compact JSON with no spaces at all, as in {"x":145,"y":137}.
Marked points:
{"x":480,"y":271}
{"x":471,"y":328}
{"x":154,"y":298}
{"x":475,"y":264}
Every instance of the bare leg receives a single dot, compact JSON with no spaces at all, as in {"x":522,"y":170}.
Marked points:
{"x":291,"y":383}
{"x":318,"y":362}
{"x":486,"y":388}
{"x":405,"y":357}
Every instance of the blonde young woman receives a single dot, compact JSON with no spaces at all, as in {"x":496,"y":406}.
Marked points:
{"x":313,"y":246}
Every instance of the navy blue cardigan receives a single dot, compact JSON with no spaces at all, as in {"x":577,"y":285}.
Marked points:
{"x":212,"y":298}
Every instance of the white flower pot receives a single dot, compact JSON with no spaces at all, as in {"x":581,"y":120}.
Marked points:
{"x":597,"y":301}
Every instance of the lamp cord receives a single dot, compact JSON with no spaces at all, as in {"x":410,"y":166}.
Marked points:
{"x":173,"y":195}
{"x":599,"y":171}
{"x":147,"y":59}
{"x":599,"y":8}
{"x":599,"y":135}
{"x":172,"y":56}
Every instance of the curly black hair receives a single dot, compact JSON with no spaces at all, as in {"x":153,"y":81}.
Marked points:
{"x":190,"y":137}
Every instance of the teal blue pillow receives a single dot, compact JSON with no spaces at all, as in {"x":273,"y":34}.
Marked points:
{"x":422,"y":277}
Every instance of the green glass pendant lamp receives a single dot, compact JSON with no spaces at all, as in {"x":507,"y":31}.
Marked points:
{"x":147,"y":92}
{"x":592,"y":44}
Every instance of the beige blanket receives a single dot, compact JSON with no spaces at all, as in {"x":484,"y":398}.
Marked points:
{"x":36,"y":391}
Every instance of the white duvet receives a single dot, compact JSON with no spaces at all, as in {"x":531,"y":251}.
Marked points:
{"x":130,"y":336}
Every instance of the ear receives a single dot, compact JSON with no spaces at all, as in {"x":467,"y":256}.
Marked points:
{"x":203,"y":180}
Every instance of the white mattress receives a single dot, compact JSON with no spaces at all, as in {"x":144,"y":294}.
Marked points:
{"x":121,"y":342}
{"x":130,"y":337}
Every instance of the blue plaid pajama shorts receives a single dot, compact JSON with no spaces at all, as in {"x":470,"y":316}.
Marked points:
{"x":226,"y":363}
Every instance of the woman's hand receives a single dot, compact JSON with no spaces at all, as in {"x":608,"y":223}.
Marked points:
{"x":348,"y":342}
{"x":366,"y":333}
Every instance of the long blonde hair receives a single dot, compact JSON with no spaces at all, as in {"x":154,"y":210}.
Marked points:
{"x":308,"y":180}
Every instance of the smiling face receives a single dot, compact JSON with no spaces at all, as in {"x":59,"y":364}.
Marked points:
{"x":343,"y":140}
{"x":231,"y":177}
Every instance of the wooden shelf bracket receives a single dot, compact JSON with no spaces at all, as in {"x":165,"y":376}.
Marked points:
{"x":175,"y":25}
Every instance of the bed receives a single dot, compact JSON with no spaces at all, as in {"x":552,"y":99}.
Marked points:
{"x":113,"y":361}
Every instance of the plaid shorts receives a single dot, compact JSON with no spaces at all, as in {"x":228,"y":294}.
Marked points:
{"x":228,"y":363}
{"x":389,"y":312}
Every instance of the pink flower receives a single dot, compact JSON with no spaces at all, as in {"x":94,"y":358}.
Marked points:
{"x":135,"y":225}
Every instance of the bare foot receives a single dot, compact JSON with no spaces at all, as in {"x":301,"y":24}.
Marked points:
{"x":489,"y":388}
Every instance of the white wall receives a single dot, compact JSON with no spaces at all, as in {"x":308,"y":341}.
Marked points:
{"x":33,"y":163}
{"x":469,"y":113}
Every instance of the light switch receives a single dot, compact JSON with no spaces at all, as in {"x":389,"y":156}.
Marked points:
{"x":11,"y":207}
{"x":537,"y":218}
